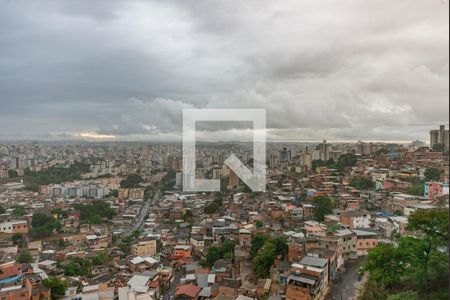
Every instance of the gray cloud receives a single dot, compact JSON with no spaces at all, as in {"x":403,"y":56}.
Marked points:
{"x":341,"y":71}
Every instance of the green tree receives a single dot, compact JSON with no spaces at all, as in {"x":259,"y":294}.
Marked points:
{"x":57,"y":174}
{"x":13,"y":174}
{"x":59,"y":212}
{"x":409,"y":295}
{"x":219,"y":201}
{"x":18,"y":210}
{"x":112,"y":194}
{"x":317,"y":163}
{"x":416,"y":189}
{"x":95,"y":213}
{"x":43,"y":225}
{"x":281,"y":245}
{"x":439,"y":147}
{"x":211,"y":208}
{"x":258,"y":242}
{"x":322,"y":206}
{"x":385,"y":264}
{"x":188,"y":216}
{"x":345,"y":161}
{"x":100,"y":259}
{"x":57,"y":287}
{"x":212,"y":256}
{"x":18,"y":240}
{"x":216,"y":253}
{"x":132,"y":181}
{"x":432,"y":174}
{"x":77,"y":266}
{"x":433,"y":225}
{"x":362,"y":183}
{"x":382,"y":151}
{"x":264,"y":260}
{"x":263,"y":252}
{"x":24,"y":257}
{"x":419,"y":260}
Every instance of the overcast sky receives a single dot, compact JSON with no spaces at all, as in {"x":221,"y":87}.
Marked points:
{"x":336,"y":70}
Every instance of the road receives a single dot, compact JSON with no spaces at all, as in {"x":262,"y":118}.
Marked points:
{"x":345,"y":287}
{"x":170,"y":293}
{"x":140,"y":221}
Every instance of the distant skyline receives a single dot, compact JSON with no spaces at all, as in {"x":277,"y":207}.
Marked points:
{"x":124,"y":70}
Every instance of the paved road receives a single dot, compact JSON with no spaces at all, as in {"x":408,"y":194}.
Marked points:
{"x":345,"y":287}
{"x":140,"y":221}
{"x":170,"y":293}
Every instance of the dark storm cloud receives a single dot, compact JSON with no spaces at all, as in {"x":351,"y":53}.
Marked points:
{"x":341,"y":71}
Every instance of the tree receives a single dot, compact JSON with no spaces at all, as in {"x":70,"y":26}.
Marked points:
{"x":112,"y":194}
{"x":100,"y":259}
{"x":211,"y":208}
{"x":259,"y":224}
{"x":409,"y":295}
{"x":40,"y":219}
{"x":2,"y":209}
{"x":57,"y":286}
{"x":59,"y":212}
{"x":24,"y":257}
{"x":61,"y":244}
{"x":13,"y":174}
{"x":216,"y":253}
{"x":317,"y":163}
{"x":218,"y":201}
{"x":416,"y":189}
{"x":264,"y":260}
{"x":18,"y":240}
{"x":212,"y":256}
{"x":132,"y":181}
{"x":57,"y":174}
{"x":43,"y":225}
{"x":382,"y":151}
{"x":281,"y":245}
{"x":322,"y":206}
{"x":419,"y":260}
{"x":188,"y":216}
{"x":433,"y":225}
{"x":439,"y":147}
{"x":345,"y":161}
{"x":96,"y":212}
{"x":432,"y":174}
{"x":362,"y":183}
{"x":385,"y":264}
{"x":18,"y":210}
{"x":77,"y":266}
{"x":258,"y":242}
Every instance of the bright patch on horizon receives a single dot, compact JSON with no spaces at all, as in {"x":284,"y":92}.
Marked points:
{"x":96,"y":136}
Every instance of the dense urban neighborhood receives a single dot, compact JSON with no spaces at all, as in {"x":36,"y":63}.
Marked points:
{"x":337,"y":221}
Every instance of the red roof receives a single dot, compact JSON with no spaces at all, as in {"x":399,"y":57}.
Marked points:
{"x":13,"y":270}
{"x":189,"y":290}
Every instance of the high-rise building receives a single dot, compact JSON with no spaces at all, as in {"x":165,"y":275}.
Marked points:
{"x":233,"y":180}
{"x":15,"y":163}
{"x":285,"y":157}
{"x":323,"y":150}
{"x":439,"y":136}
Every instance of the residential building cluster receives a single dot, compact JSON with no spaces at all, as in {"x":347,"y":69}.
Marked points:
{"x":326,"y":206}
